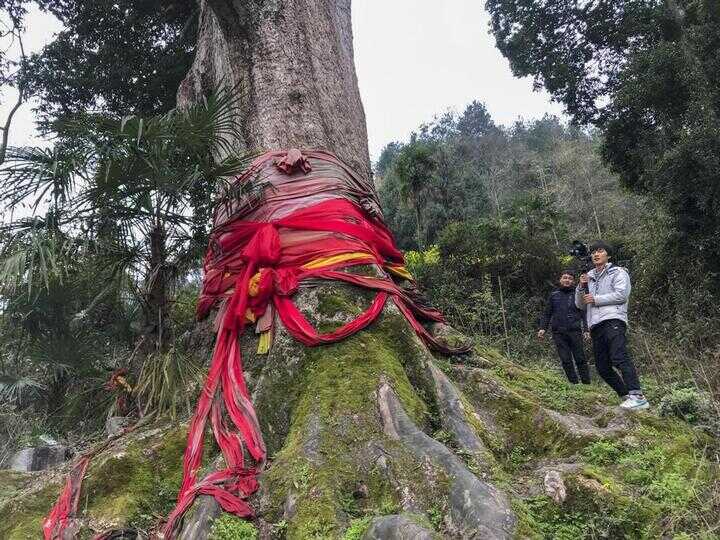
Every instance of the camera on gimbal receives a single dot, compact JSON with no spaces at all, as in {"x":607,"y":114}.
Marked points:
{"x":579,"y":250}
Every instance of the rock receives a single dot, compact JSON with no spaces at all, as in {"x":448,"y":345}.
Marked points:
{"x":290,"y":506}
{"x":115,"y":424}
{"x":361,"y":492}
{"x":39,"y":458}
{"x":396,"y":527}
{"x":592,"y":485}
{"x":48,"y":440}
{"x":554,"y":486}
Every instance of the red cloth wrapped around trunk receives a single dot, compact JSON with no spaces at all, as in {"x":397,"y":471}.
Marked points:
{"x":306,"y":215}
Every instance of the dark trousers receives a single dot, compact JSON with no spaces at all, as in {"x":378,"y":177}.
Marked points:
{"x":612,"y":359}
{"x":570,"y":347}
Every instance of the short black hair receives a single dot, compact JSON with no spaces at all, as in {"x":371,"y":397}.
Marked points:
{"x":568,"y":271}
{"x":599,"y":244}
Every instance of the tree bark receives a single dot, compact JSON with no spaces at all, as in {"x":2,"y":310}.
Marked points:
{"x":156,"y":307}
{"x":292,"y":63}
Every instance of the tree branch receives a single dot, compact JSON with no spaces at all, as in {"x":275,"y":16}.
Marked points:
{"x":18,"y":103}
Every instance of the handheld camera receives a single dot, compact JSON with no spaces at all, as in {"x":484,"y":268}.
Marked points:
{"x":581,"y":253}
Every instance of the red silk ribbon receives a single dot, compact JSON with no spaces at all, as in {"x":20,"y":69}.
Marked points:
{"x":280,"y":252}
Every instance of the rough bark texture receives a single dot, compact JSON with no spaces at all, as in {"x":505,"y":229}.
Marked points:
{"x":292,"y":61}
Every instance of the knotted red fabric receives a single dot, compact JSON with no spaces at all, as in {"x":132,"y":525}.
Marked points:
{"x":313,"y":218}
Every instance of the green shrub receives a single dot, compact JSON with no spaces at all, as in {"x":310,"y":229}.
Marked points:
{"x":602,"y":452}
{"x":672,"y":490}
{"x":688,"y":404}
{"x":357,"y":528}
{"x":229,"y":527}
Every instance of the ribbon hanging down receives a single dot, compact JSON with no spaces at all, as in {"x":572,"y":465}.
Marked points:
{"x":300,"y":215}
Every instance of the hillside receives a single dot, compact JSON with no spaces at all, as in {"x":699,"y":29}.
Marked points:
{"x":624,"y":475}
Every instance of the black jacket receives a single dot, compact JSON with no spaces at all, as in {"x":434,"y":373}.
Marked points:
{"x":560,"y":312}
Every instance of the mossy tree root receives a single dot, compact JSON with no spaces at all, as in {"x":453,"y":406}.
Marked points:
{"x":477,"y":509}
{"x":332,"y":461}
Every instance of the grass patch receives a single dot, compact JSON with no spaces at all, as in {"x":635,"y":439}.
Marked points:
{"x":229,"y":527}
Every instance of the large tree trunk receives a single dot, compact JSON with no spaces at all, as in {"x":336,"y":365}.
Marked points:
{"x":292,"y":62}
{"x":346,"y":425}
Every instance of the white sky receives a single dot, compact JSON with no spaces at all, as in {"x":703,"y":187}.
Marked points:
{"x":415,"y":59}
{"x":418,"y":58}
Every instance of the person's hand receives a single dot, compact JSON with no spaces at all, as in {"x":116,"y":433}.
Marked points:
{"x":586,"y":336}
{"x":541,"y":334}
{"x":588,"y":299}
{"x":583,"y":279}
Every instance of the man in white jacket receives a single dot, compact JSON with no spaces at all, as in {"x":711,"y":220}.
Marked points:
{"x":605,"y":303}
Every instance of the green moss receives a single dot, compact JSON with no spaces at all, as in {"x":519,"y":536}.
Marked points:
{"x":345,"y":375}
{"x":131,"y":487}
{"x":657,"y":481}
{"x":139,"y":484}
{"x":331,"y":305}
{"x":529,"y":434}
{"x":590,"y":511}
{"x":550,"y":389}
{"x":527,"y":526}
{"x":487,"y":464}
{"x":336,"y":306}
{"x":229,"y":527}
{"x":11,"y":482}
{"x":357,"y":528}
{"x":22,"y":518}
{"x":525,"y":432}
{"x":321,"y":467}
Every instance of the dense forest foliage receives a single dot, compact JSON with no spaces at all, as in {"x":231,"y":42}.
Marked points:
{"x":489,"y":214}
{"x":103,"y":274}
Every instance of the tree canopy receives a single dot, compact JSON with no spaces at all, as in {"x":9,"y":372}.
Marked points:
{"x":645,"y":72}
{"x":120,"y":57}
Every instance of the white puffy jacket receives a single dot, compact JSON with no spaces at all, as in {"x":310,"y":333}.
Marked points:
{"x":611,"y":290}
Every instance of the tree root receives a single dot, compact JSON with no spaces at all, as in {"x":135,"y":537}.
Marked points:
{"x":477,"y":509}
{"x":454,"y":418}
{"x":397,"y":527}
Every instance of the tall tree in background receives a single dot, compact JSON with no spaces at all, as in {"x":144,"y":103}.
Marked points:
{"x":118,"y":57}
{"x":12,"y":66}
{"x":646,"y":72}
{"x":415,"y":168}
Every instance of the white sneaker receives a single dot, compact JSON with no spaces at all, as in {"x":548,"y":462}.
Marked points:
{"x":635,"y":403}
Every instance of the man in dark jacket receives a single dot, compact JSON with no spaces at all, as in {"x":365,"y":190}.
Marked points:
{"x":568,"y":325}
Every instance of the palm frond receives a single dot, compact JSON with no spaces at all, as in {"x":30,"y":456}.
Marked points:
{"x":213,"y":124}
{"x":33,"y":256}
{"x":17,"y":389}
{"x":36,"y":175}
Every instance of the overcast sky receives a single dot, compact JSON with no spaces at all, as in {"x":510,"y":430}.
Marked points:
{"x":415,"y":59}
{"x":418,"y":58}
